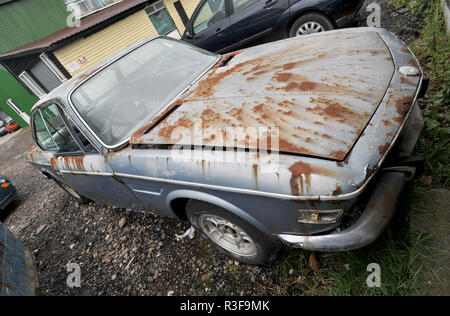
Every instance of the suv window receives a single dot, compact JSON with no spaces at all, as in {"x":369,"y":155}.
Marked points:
{"x":242,"y":4}
{"x":212,"y":12}
{"x":52,"y":133}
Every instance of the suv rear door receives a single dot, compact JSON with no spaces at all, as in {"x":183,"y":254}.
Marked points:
{"x":209,"y":27}
{"x":252,"y":19}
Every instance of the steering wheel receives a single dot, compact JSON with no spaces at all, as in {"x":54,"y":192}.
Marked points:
{"x":125,"y":114}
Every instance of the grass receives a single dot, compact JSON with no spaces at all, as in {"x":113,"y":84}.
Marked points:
{"x":399,"y":252}
{"x":432,"y":49}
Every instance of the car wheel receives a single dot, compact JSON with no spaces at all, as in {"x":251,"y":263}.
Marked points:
{"x":230,"y":234}
{"x":309,"y":24}
{"x":79,"y":198}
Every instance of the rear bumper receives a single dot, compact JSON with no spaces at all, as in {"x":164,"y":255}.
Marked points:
{"x":379,"y":210}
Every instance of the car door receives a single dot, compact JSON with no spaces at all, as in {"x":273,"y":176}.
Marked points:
{"x":209,"y":27}
{"x":75,"y":162}
{"x":252,"y":19}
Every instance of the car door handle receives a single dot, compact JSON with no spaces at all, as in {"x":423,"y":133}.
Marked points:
{"x":219,"y":31}
{"x":270,"y":3}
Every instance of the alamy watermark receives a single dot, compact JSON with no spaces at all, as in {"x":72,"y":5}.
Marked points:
{"x":374,"y":278}
{"x":374,"y":18}
{"x":74,"y":18}
{"x":251,"y":145}
{"x":74,"y":277}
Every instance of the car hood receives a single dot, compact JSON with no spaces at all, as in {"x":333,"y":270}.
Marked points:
{"x":317,"y":93}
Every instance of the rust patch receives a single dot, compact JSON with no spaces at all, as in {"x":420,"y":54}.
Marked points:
{"x":87,"y":75}
{"x":337,"y":191}
{"x":403,"y":105}
{"x":289,"y":66}
{"x":282,"y":76}
{"x":339,"y":155}
{"x":301,"y":178}
{"x":382,"y":149}
{"x":387,"y":123}
{"x":166,"y":131}
{"x":74,"y":163}
{"x":255,"y":174}
{"x":53,"y":163}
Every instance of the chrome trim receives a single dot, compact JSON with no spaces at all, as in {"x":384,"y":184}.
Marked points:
{"x":148,"y":192}
{"x":87,"y":173}
{"x":119,"y":145}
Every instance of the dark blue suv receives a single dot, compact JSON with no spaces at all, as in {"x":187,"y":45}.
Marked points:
{"x":226,"y":25}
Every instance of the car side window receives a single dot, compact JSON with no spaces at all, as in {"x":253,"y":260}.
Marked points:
{"x":52,"y":133}
{"x":212,"y":12}
{"x":239,"y":5}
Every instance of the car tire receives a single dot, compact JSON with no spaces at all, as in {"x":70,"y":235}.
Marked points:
{"x":310,"y":23}
{"x":254,"y":247}
{"x":78,"y":197}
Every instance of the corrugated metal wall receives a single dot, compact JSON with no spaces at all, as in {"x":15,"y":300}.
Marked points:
{"x":26,"y":21}
{"x":121,"y":34}
{"x":10,"y":88}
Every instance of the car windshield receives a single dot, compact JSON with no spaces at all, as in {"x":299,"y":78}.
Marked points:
{"x":128,"y":93}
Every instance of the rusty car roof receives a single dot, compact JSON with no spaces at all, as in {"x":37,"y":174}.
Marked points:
{"x":320,"y":91}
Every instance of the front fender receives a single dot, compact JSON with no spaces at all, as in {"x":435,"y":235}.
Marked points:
{"x":213,"y":199}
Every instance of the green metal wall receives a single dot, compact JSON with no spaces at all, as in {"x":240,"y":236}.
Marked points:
{"x":11,"y":88}
{"x":27,"y":21}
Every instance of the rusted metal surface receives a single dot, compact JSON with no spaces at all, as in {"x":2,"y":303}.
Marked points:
{"x":18,"y":274}
{"x":81,"y":164}
{"x":37,"y":156}
{"x":320,"y":92}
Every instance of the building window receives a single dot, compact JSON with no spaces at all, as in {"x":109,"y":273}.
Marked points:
{"x":86,"y":7}
{"x":51,"y":65}
{"x":160,"y":18}
{"x":31,"y":84}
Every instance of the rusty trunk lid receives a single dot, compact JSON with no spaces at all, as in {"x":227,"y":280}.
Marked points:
{"x":320,"y":91}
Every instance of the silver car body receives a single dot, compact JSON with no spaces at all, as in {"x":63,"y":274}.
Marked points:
{"x":341,"y":106}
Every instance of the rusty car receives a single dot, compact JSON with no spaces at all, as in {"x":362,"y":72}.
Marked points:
{"x":306,"y":141}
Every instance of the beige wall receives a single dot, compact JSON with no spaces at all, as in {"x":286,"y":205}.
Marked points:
{"x":106,"y":42}
{"x":188,"y":5}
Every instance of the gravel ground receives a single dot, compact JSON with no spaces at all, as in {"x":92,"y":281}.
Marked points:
{"x":123,"y":253}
